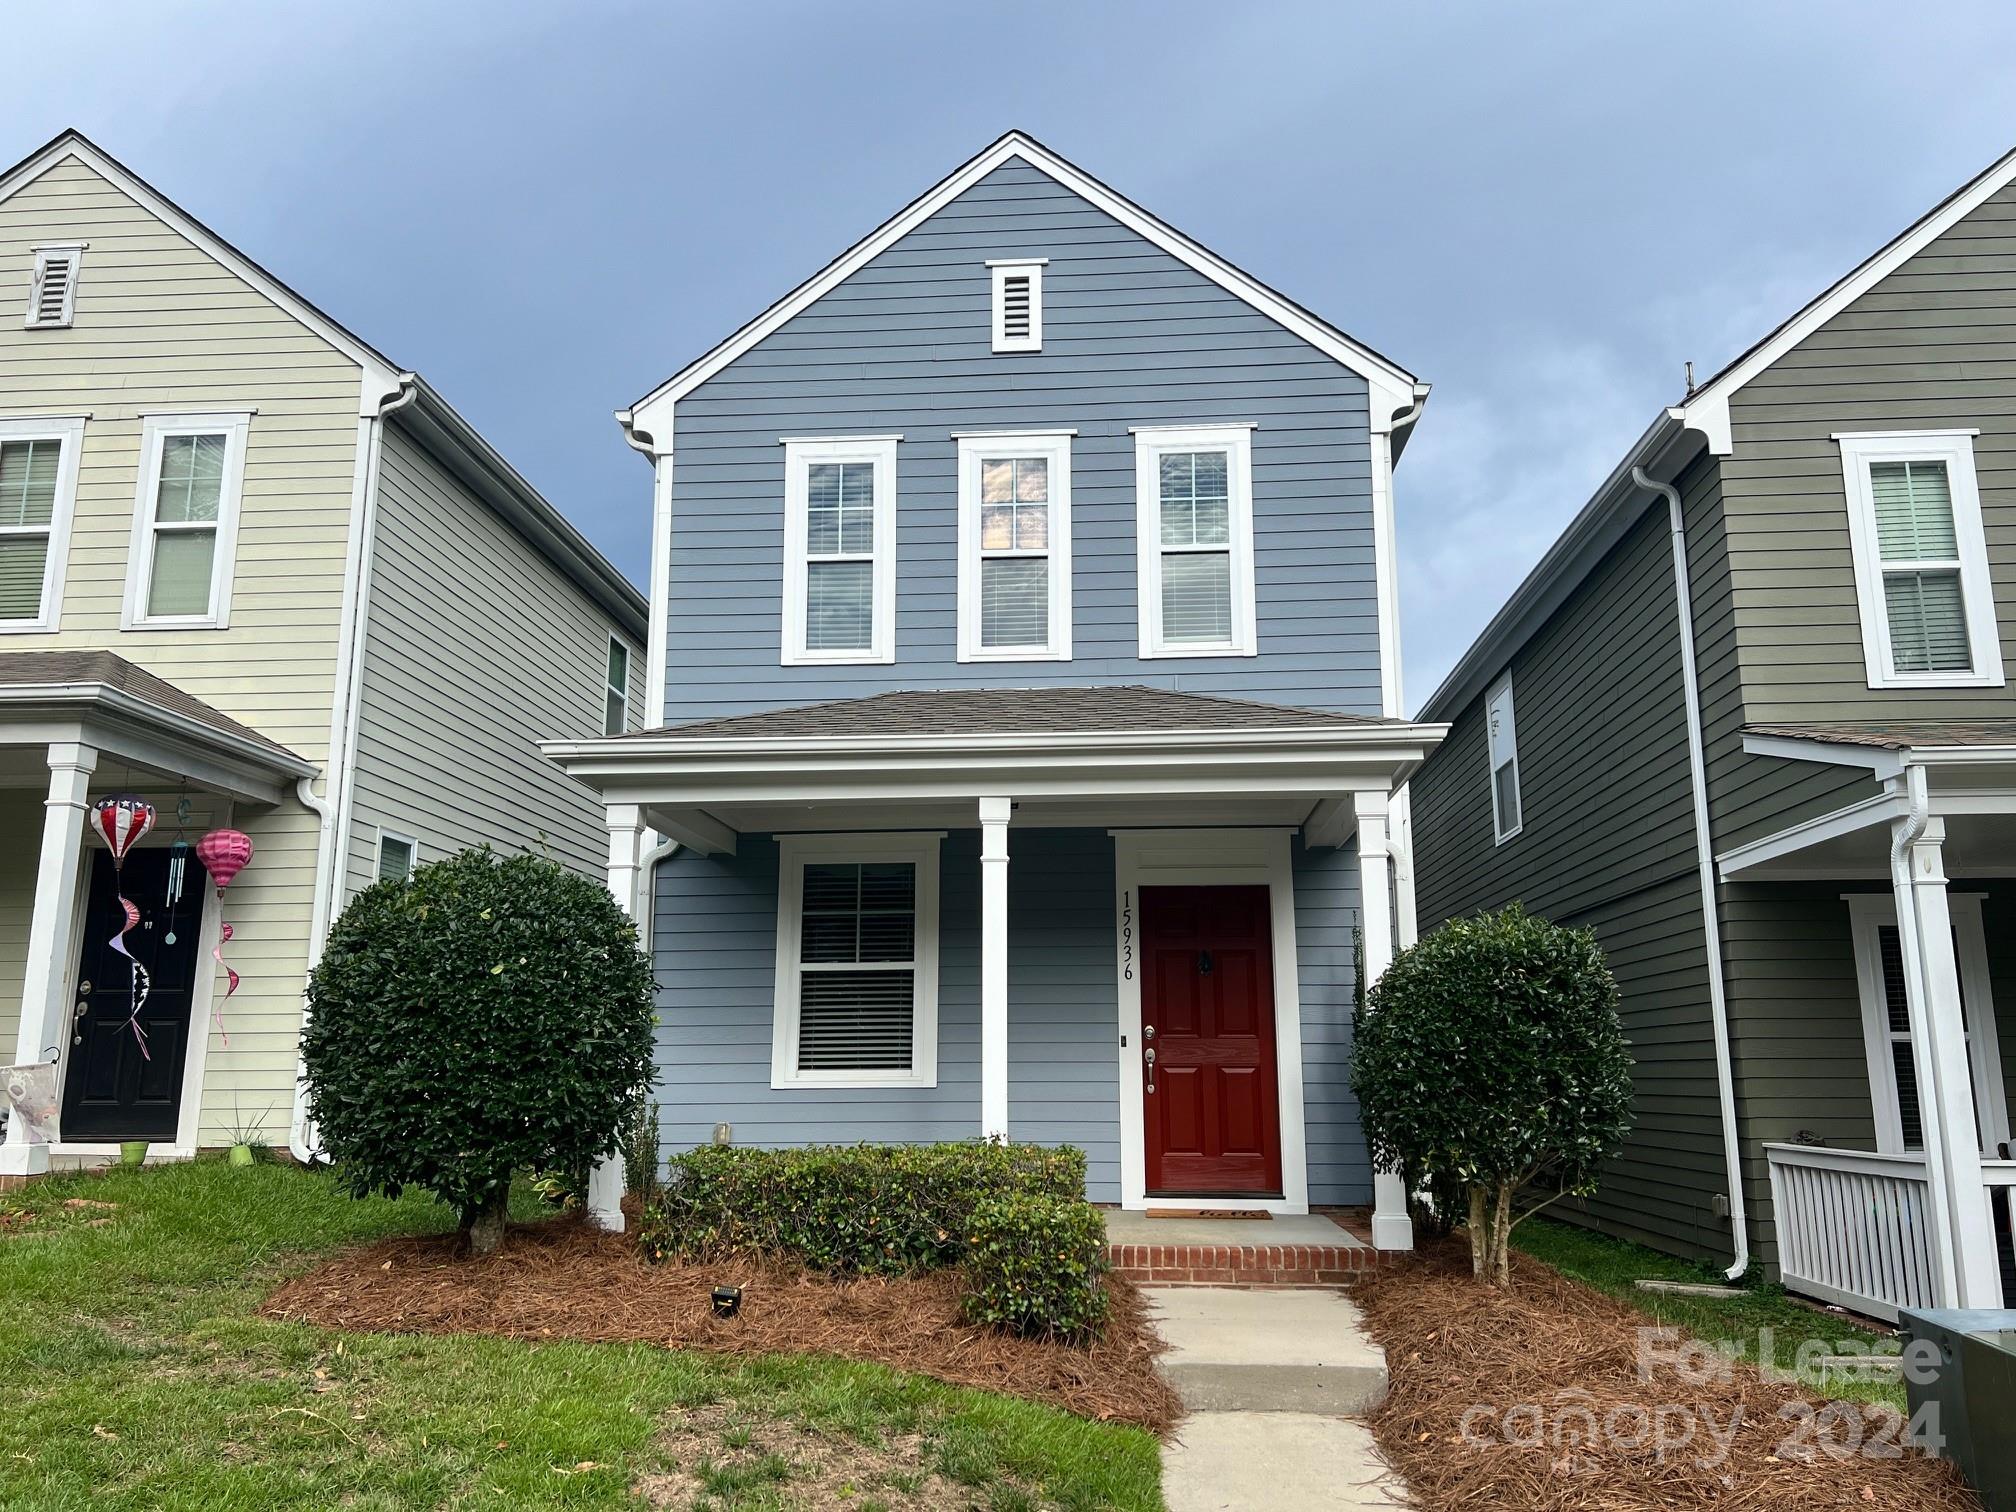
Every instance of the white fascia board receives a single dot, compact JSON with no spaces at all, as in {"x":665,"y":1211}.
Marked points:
{"x":1394,"y":383}
{"x":1733,"y":864}
{"x":1883,"y":764}
{"x":72,"y":144}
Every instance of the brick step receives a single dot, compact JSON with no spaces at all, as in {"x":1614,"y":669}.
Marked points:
{"x":1329,"y":1265}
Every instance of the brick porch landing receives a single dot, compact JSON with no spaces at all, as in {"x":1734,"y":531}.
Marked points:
{"x":1313,"y":1250}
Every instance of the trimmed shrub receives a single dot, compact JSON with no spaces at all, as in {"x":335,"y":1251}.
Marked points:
{"x":885,"y":1210}
{"x":1033,"y":1265}
{"x":480,"y":1018}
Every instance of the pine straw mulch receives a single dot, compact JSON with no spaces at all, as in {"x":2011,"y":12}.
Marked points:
{"x":564,"y":1280}
{"x":1567,"y":1356}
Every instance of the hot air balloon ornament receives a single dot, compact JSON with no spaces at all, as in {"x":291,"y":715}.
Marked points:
{"x":223,"y":853}
{"x":122,"y":821}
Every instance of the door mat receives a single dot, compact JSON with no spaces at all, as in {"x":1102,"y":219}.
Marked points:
{"x":1245,"y":1213}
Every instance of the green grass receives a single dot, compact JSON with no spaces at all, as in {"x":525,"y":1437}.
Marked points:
{"x":137,"y":1374}
{"x":1613,"y":1266}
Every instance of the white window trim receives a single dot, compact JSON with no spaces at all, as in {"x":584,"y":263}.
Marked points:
{"x":378,"y":853}
{"x":629,"y":657}
{"x":1001,"y":269}
{"x":74,"y":251}
{"x":68,"y":431}
{"x":800,"y":452}
{"x":793,"y":853}
{"x":1871,"y":911}
{"x":1054,"y":447}
{"x":1503,"y":688}
{"x":1150,"y":442}
{"x":234,"y":426}
{"x":1955,"y":448}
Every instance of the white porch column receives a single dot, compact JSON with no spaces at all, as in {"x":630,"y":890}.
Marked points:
{"x":1945,"y":1078}
{"x":626,"y":854}
{"x":994,"y":816}
{"x":1392,"y":1228}
{"x":45,"y":1006}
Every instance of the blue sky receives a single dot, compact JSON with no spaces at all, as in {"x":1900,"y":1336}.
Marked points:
{"x":1542,"y":208}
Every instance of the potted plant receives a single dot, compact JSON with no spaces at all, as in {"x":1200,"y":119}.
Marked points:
{"x":133,"y":1152}
{"x":247,"y":1139}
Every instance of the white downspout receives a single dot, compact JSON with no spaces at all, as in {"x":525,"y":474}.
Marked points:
{"x":1704,"y":850}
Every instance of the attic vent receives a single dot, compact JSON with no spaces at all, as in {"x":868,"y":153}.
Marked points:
{"x":1018,"y":304}
{"x":52,"y":294}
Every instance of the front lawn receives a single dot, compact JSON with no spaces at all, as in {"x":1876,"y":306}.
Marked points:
{"x":138,"y":1375}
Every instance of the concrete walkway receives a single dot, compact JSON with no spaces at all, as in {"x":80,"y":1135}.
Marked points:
{"x":1270,"y":1377}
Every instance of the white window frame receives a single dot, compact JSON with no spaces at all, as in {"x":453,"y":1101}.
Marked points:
{"x":1955,"y":448}
{"x":1054,"y":447}
{"x":234,"y":426}
{"x":1001,"y":269}
{"x":378,"y":853}
{"x":1502,"y":689}
{"x":794,"y":853}
{"x":1871,"y":911}
{"x":44,"y":255}
{"x":616,"y":642}
{"x":68,"y":432}
{"x":800,"y":453}
{"x":1150,"y":443}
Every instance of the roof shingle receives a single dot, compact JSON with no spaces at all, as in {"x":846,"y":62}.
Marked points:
{"x":33,"y":669}
{"x":1897,"y":734}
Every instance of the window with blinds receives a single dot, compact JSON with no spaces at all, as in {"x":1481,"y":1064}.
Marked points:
{"x":616,"y":690}
{"x":857,"y":973}
{"x":1502,"y":738}
{"x":1197,"y":541}
{"x":1014,"y":501}
{"x":1895,"y":1031}
{"x":839,"y":584}
{"x":1920,"y":559}
{"x":52,"y":288}
{"x":184,"y":541}
{"x":396,"y":856}
{"x":29,"y":474}
{"x":1018,"y":304}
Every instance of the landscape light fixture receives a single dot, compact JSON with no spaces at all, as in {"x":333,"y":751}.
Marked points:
{"x":727,"y":1301}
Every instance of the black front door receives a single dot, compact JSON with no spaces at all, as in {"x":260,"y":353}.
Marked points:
{"x":110,"y":1089}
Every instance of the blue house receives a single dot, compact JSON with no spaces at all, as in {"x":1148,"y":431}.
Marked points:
{"x":1024,"y":715}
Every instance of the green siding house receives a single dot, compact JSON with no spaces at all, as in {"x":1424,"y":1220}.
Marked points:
{"x":1749,"y":721}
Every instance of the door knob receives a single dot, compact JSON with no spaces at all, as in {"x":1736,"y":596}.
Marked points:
{"x":1149,"y":1056}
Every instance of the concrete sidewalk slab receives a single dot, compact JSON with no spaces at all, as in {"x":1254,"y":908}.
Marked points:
{"x":1280,"y":1461}
{"x":1242,"y":1350}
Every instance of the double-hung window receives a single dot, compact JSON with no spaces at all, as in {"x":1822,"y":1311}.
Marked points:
{"x":1502,"y":741}
{"x":38,"y":492}
{"x":185,"y":520}
{"x":839,"y":550}
{"x":857,"y":961}
{"x":1015,"y":547}
{"x":397,"y":856}
{"x":1194,"y":498}
{"x":616,"y":689}
{"x":1886,"y":1023}
{"x":1921,"y":559}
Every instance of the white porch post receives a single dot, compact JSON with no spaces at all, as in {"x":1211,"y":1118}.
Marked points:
{"x":45,"y":1016}
{"x":1939,"y":1039}
{"x":994,"y":816}
{"x":626,"y":852}
{"x":1392,"y":1228}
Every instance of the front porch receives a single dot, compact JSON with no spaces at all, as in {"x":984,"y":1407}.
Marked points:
{"x":1125,"y":920}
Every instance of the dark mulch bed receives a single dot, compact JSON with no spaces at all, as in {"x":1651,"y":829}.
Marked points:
{"x":1564,"y":1350}
{"x":564,"y":1280}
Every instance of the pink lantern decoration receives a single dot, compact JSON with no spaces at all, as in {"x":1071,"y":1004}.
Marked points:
{"x":224,"y":853}
{"x":121,"y":821}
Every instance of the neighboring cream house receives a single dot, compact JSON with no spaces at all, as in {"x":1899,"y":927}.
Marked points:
{"x":256,"y":573}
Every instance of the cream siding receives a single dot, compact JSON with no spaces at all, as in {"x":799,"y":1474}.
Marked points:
{"x":161,"y":325}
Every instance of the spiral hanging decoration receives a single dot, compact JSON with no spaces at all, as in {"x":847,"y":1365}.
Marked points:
{"x":223,"y":853}
{"x":121,"y":821}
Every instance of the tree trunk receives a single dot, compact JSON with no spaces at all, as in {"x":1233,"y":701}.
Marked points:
{"x":1501,"y":1237}
{"x":483,"y":1225}
{"x":1480,"y":1232}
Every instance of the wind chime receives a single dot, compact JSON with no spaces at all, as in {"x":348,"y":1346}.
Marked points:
{"x":121,"y":821}
{"x":178,"y":866}
{"x":223,"y":853}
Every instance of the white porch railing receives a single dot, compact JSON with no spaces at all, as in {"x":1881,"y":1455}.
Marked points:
{"x":1855,"y":1228}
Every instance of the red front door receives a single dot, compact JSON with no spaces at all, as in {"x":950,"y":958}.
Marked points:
{"x":1211,"y":1114}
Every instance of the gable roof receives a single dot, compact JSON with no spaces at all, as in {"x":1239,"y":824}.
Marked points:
{"x":495,"y":480}
{"x":1400,"y":387}
{"x":1677,"y":434}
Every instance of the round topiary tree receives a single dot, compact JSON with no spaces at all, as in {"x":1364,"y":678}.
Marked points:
{"x":483,"y":1017}
{"x":1490,"y":1058}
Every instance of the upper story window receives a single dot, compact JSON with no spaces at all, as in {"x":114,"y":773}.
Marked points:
{"x":1015,"y":547}
{"x":839,"y":550}
{"x":1921,"y":559}
{"x":857,"y":961}
{"x":185,"y":521}
{"x":52,"y":289}
{"x":1018,"y":303}
{"x":38,"y":492}
{"x":616,"y":689}
{"x":397,"y":856}
{"x":1507,"y":817}
{"x":1194,"y":495}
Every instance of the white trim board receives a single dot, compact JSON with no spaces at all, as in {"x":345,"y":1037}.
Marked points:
{"x":1210,"y":858}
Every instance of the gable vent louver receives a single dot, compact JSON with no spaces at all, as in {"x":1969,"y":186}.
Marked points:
{"x":52,"y":295}
{"x":1015,"y":307}
{"x":1018,"y":304}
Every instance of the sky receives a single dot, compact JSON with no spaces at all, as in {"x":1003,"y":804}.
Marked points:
{"x":1544,"y":209}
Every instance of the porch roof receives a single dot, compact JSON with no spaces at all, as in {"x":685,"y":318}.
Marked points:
{"x":1898,"y":734}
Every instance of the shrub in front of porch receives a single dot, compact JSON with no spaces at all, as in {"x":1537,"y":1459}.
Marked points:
{"x":1490,"y":1058}
{"x":1033,"y":1265}
{"x":485,"y":1016}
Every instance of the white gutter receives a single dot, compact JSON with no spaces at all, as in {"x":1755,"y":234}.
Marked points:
{"x":1704,"y":849}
